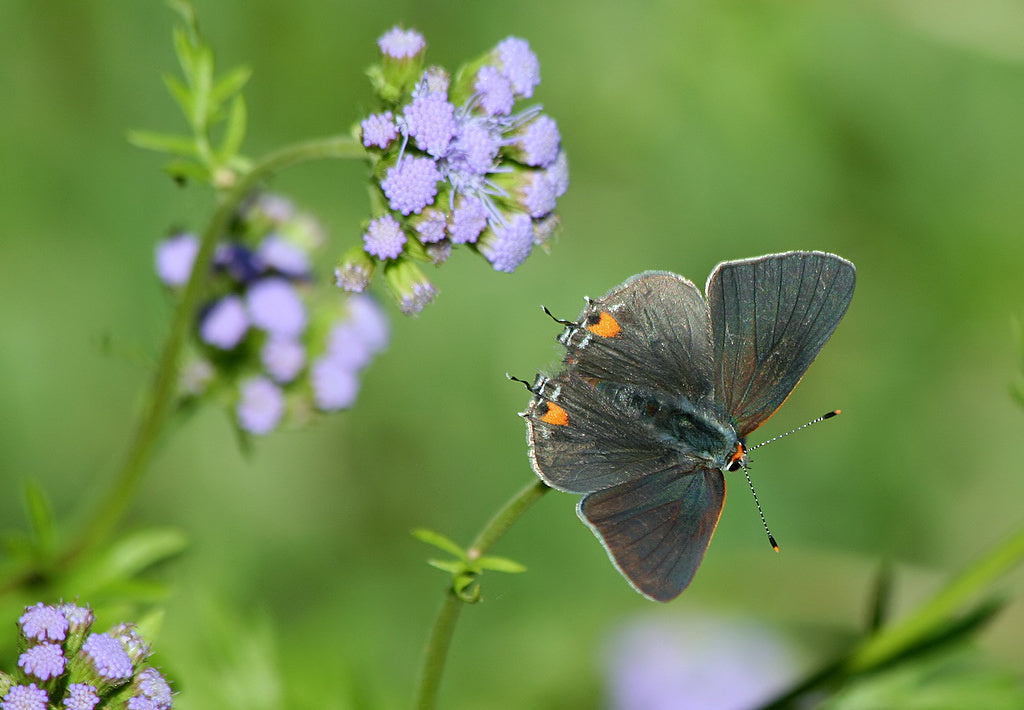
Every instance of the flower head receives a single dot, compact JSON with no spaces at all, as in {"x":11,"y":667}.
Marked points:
{"x":25,"y":697}
{"x":507,"y":245}
{"x":411,"y":185}
{"x":225,"y":323}
{"x":274,"y":305}
{"x":43,"y":661}
{"x":401,"y":44}
{"x":430,"y":121}
{"x":108,"y":657}
{"x":81,"y":696}
{"x":174,"y":258}
{"x":519,"y":65}
{"x":43,"y":622}
{"x":384,"y":238}
{"x":379,"y":130}
{"x":260,"y":405}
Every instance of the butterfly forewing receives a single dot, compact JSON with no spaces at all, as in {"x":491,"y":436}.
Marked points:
{"x":652,"y":332}
{"x":770,"y":318}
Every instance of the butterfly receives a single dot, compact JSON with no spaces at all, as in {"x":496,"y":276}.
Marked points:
{"x":658,"y":390}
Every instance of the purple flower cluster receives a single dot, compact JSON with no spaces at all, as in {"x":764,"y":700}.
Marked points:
{"x":259,"y":333}
{"x":65,"y":664}
{"x":456,"y":164}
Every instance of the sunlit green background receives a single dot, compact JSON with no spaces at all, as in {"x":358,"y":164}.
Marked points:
{"x":890,"y":133}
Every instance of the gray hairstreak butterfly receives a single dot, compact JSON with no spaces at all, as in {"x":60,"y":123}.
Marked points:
{"x":658,"y":391}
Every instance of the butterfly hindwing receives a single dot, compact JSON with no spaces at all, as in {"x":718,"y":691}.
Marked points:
{"x":580,"y":441}
{"x":770,"y":318}
{"x":657,"y":530}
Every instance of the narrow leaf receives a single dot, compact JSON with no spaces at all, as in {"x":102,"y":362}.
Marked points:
{"x":181,"y":94}
{"x":450,"y":566}
{"x":500,"y":564}
{"x":438,"y":540}
{"x":230,"y":84}
{"x":234,"y":132}
{"x":163,"y":142}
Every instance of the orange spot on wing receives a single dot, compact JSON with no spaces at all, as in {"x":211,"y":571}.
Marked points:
{"x":606,"y":326}
{"x":553,"y":414}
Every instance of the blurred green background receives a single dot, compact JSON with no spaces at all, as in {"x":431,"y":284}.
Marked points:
{"x":890,"y":133}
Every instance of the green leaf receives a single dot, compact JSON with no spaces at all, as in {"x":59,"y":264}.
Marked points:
{"x":181,"y":94}
{"x":230,"y":84}
{"x":439,"y":541}
{"x":500,"y":564}
{"x":40,"y":514}
{"x":451,"y":566}
{"x":127,"y":557}
{"x":185,"y":170}
{"x":464,"y":588}
{"x":235,"y":131}
{"x":164,"y":142}
{"x":184,"y":50}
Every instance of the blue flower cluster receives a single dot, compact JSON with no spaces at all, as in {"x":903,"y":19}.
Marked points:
{"x":276,"y":355}
{"x":455,"y":163}
{"x":65,"y":664}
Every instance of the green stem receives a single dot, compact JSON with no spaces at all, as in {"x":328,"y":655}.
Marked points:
{"x":154,"y":414}
{"x":889,"y":642}
{"x":444,"y":625}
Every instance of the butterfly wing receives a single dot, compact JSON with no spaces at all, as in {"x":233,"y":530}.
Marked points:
{"x":652,"y":334}
{"x":770,"y":317}
{"x":656,"y":530}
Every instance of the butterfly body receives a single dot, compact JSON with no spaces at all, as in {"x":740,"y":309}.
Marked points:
{"x":659,"y":388}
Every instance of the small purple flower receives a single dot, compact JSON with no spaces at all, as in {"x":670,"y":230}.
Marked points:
{"x":43,"y":622}
{"x":334,"y":385}
{"x":108,"y":657}
{"x":175,"y":257}
{"x":411,"y":185}
{"x":433,"y":227}
{"x":225,"y":323}
{"x":538,"y":194}
{"x":276,"y":208}
{"x":401,"y":44}
{"x":438,"y":252}
{"x":152,"y":691}
{"x":468,"y":220}
{"x":558,"y":174}
{"x":260,"y":405}
{"x":379,"y":130}
{"x":539,"y":142}
{"x":346,"y":347}
{"x":284,"y":257}
{"x":283,"y":358}
{"x":519,"y":65}
{"x":275,"y":306}
{"x":352,"y":276}
{"x":495,"y":91}
{"x":81,"y":697}
{"x":79,"y":617}
{"x":430,"y":121}
{"x":508,"y":245}
{"x":475,"y":150}
{"x":412,"y":289}
{"x":370,"y":320}
{"x":25,"y":697}
{"x":134,"y":645}
{"x":44,"y":661}
{"x":239,"y":261}
{"x":384,"y":237}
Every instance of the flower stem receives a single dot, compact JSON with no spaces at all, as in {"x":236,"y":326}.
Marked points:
{"x":444,"y":625}
{"x":154,"y":413}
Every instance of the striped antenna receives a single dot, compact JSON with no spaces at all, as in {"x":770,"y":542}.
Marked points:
{"x":823,"y":417}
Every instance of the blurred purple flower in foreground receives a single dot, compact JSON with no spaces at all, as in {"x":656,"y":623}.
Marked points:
{"x":668,"y":663}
